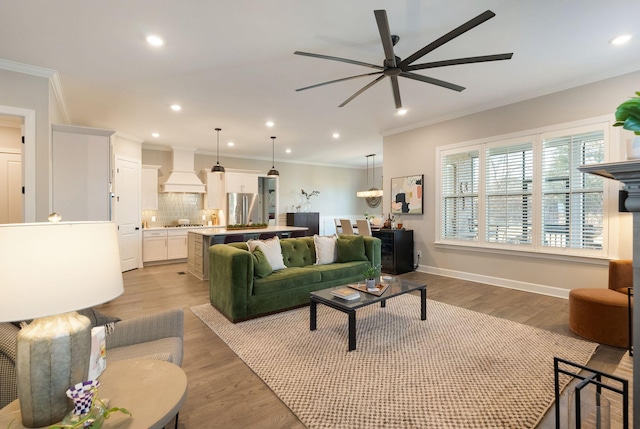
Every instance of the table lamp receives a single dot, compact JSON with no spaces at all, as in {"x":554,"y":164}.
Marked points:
{"x":47,"y":272}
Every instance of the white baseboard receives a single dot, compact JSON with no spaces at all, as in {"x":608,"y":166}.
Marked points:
{"x":496,"y":281}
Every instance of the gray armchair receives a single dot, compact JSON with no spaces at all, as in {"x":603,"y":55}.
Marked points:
{"x":158,"y":336}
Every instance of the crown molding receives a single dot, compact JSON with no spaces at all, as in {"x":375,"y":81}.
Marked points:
{"x":26,"y":68}
{"x":131,"y":137}
{"x":52,"y":75}
{"x":56,"y":86}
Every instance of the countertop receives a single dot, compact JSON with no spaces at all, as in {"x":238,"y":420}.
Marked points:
{"x":187,"y":228}
{"x":224,"y":231}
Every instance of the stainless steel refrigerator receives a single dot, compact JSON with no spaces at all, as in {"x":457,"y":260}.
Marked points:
{"x":242,"y":209}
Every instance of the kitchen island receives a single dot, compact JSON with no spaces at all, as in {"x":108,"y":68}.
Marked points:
{"x":199,"y":241}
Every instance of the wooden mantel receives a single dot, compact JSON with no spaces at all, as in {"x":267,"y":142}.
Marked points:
{"x":628,"y":172}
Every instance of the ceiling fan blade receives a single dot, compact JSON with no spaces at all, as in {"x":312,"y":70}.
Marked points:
{"x":396,"y":91}
{"x":447,"y":37}
{"x":342,"y":60}
{"x":469,"y":60}
{"x":385,"y":37}
{"x":367,"y":86}
{"x":432,"y":81}
{"x":338,"y":80}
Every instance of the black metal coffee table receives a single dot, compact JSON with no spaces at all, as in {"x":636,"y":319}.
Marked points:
{"x":396,"y":287}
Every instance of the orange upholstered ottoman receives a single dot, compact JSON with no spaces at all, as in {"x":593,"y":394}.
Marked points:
{"x":600,"y":315}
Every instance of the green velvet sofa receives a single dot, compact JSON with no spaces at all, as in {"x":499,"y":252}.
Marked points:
{"x":239,"y":294}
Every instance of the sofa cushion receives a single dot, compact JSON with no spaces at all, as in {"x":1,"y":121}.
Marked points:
{"x":326,"y":249}
{"x":298,"y":252}
{"x":286,"y":279}
{"x":351,"y":248}
{"x":271,"y":249}
{"x":339,"y":271}
{"x":261,"y":266}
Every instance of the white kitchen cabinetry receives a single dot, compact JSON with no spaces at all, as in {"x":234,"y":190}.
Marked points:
{"x":149,"y":187}
{"x":195,"y":261}
{"x":246,"y":183}
{"x":214,"y":198}
{"x":177,"y":244}
{"x":154,"y":245}
{"x":163,"y":245}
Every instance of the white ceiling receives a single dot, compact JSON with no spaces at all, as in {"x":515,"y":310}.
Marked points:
{"x":230,"y":64}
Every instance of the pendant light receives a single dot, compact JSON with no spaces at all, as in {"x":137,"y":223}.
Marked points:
{"x":273,"y":172}
{"x":373,"y":192}
{"x":218,"y":168}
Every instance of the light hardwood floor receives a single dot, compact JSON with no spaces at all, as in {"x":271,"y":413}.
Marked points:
{"x":225,"y":393}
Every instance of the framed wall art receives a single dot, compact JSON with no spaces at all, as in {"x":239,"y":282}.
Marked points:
{"x":406,"y":195}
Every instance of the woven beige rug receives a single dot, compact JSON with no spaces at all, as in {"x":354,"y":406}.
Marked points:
{"x":458,"y":369}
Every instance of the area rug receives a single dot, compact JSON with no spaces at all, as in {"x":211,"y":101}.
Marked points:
{"x":458,"y":369}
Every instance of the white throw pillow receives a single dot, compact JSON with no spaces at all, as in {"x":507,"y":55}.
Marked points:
{"x":271,"y":249}
{"x":326,"y":249}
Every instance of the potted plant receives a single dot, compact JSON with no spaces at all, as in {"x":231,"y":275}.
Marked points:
{"x":628,"y":115}
{"x":370,"y":275}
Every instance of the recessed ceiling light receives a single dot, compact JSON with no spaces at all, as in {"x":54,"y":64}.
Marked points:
{"x":230,"y":144}
{"x":620,"y":40}
{"x":156,"y":135}
{"x":176,"y":107}
{"x":336,"y":135}
{"x":270,"y":124}
{"x":402,"y":112}
{"x":155,"y":41}
{"x":288,"y":150}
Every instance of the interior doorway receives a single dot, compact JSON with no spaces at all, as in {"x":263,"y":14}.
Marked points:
{"x":11,"y":197}
{"x":18,"y":183}
{"x":268,"y":198}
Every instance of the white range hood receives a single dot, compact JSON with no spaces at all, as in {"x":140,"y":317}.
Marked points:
{"x":183,"y":177}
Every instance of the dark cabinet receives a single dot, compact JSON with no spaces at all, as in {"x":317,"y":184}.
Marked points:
{"x":311,"y":220}
{"x":397,"y":250}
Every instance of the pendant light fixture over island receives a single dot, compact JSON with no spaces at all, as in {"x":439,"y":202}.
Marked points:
{"x":273,"y":172}
{"x":218,"y":168}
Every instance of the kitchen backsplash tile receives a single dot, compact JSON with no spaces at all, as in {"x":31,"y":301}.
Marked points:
{"x":174,"y":206}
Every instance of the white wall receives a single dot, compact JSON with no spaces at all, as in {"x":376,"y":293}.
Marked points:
{"x":414,"y":152}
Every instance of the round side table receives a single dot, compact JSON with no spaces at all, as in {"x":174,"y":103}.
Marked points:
{"x":152,"y":390}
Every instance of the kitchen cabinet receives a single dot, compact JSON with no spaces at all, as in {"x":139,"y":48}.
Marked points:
{"x":149,"y":185}
{"x":196,"y":260}
{"x":246,"y":183}
{"x":397,"y":250}
{"x":214,"y":197}
{"x":81,"y":173}
{"x":177,"y":244}
{"x":154,"y":245}
{"x":310,"y":220}
{"x":163,"y":245}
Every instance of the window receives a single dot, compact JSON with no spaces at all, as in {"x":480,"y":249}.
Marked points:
{"x":526,"y":193}
{"x":460,"y":196}
{"x":572,"y":202}
{"x":509,"y":192}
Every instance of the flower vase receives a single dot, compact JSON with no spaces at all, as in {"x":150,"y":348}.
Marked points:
{"x":306,"y":206}
{"x":87,"y":412}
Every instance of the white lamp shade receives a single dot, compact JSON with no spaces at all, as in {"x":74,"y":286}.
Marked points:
{"x":53,"y":268}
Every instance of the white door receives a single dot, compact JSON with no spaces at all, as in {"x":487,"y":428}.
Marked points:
{"x":127,"y":210}
{"x":10,"y":188}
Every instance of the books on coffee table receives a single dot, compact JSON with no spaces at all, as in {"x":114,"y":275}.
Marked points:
{"x":379,"y":290}
{"x":345,"y":293}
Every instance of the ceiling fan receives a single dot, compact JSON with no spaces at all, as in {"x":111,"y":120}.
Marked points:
{"x":393,"y":66}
